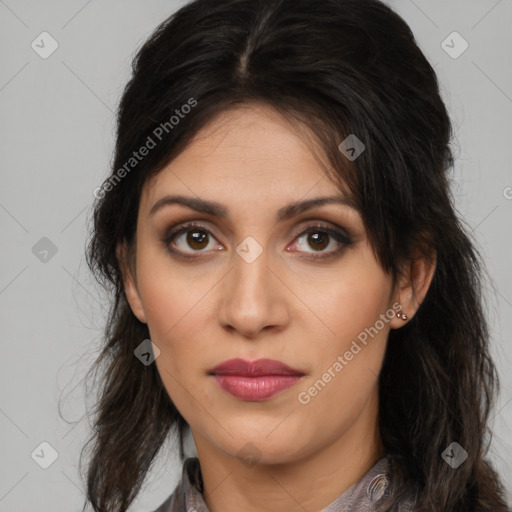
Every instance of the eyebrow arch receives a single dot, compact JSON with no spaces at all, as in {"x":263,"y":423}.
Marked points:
{"x":217,"y":210}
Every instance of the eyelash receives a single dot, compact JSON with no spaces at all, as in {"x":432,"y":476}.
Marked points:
{"x":339,"y":236}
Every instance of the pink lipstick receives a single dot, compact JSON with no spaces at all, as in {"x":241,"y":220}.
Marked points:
{"x":255,"y":381}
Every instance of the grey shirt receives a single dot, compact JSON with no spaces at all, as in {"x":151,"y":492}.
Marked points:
{"x":375,"y":492}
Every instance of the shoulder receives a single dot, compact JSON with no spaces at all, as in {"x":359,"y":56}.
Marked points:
{"x":186,"y":492}
{"x":174,"y":503}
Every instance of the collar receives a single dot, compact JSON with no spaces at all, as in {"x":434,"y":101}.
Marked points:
{"x":374,"y":492}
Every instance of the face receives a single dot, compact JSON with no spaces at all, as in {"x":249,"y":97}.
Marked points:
{"x":244,"y":281}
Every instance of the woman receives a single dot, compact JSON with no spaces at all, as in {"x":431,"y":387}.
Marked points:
{"x":291,"y":283}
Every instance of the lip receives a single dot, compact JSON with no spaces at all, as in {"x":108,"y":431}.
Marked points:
{"x":255,"y":381}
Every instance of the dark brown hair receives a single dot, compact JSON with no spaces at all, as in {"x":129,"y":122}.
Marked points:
{"x":336,"y":67}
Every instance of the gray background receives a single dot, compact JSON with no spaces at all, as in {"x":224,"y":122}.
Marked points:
{"x":56,"y":144}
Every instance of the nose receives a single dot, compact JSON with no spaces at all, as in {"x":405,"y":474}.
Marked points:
{"x":253,"y":297}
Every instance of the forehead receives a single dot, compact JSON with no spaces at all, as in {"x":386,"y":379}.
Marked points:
{"x":248,"y":151}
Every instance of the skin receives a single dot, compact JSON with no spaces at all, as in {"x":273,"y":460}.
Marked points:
{"x":283,"y":306}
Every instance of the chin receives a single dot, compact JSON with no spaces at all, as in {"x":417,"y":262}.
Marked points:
{"x":252,"y":447}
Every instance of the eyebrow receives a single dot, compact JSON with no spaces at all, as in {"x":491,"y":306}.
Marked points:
{"x":284,"y":213}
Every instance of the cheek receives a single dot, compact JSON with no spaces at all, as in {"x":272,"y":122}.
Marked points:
{"x":172,"y":296}
{"x":175,"y":323}
{"x":351,"y":306}
{"x":344,"y":383}
{"x":174,"y":307}
{"x":352,"y":300}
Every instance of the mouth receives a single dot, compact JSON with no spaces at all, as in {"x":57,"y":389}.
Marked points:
{"x":255,"y":381}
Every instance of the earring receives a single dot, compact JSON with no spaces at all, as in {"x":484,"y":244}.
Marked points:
{"x":401,"y":315}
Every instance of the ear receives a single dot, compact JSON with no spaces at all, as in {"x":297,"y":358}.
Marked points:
{"x":412,"y":286}
{"x":130,"y":283}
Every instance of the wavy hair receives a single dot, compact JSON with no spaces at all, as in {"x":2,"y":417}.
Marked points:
{"x":335,"y":68}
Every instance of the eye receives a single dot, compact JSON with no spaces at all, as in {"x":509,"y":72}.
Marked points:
{"x":195,"y":236}
{"x":319,"y":238}
{"x":191,"y":238}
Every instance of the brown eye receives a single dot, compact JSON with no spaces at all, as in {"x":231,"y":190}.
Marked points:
{"x":196,"y":239}
{"x":318,"y":240}
{"x":190,"y":239}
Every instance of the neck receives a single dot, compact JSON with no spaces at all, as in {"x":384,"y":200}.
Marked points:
{"x":311,"y":482}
